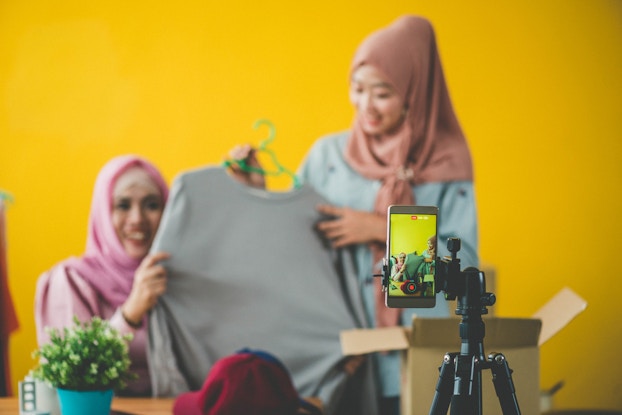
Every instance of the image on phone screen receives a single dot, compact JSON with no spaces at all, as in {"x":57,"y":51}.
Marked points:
{"x":411,"y":256}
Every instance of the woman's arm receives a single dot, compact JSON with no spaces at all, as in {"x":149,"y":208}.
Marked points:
{"x":60,"y":295}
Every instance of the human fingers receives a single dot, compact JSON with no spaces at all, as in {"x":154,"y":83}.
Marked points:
{"x":152,"y":259}
{"x":156,"y":286}
{"x":235,"y":157}
{"x":148,"y":287}
{"x":150,"y":268}
{"x":330,"y":228}
{"x":335,"y":233}
{"x":255,"y":178}
{"x":247,"y":155}
{"x":252,"y":160}
{"x":339,"y":232}
{"x":342,"y":241}
{"x":329,"y":210}
{"x":241,"y":152}
{"x":154,"y":274}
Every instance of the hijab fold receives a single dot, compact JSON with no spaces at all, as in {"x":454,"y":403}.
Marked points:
{"x":105,"y":265}
{"x":429,"y":145}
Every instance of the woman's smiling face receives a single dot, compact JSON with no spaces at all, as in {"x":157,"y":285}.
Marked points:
{"x":137,"y":206}
{"x":379,"y":107}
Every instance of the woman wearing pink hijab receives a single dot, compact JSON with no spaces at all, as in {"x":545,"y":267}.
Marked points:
{"x":116,"y":278}
{"x":405,"y":146}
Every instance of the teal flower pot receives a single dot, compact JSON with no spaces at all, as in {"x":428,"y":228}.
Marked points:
{"x":84,"y":402}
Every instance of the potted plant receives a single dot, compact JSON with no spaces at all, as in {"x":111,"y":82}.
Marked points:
{"x":86,"y":363}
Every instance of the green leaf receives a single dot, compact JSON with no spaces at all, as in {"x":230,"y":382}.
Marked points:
{"x":90,"y":355}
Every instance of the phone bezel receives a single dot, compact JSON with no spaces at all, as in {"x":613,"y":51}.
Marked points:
{"x":408,"y":302}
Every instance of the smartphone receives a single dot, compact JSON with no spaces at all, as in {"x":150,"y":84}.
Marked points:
{"x":411,"y":256}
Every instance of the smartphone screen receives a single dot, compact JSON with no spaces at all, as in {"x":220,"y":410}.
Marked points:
{"x":411,"y":256}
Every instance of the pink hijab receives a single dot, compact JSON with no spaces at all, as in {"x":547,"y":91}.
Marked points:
{"x":105,"y":265}
{"x":429,"y":146}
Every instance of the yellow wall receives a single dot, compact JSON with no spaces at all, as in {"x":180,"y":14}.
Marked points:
{"x":536,"y":84}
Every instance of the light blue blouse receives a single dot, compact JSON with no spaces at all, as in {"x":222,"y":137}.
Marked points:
{"x":325,"y":169}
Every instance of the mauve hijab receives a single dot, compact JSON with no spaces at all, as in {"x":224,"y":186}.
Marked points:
{"x":105,"y":265}
{"x":429,"y":146}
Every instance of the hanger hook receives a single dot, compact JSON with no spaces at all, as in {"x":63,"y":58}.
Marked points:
{"x":272,"y":134}
{"x":263,"y":146}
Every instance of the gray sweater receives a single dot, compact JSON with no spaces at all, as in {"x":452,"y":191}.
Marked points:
{"x":247,"y":270}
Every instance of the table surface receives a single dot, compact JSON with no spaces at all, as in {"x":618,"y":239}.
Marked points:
{"x":124,"y":406}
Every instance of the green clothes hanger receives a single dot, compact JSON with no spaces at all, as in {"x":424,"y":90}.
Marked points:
{"x":263,"y":147}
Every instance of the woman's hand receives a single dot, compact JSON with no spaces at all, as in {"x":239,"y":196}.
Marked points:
{"x":351,"y":226}
{"x":247,"y":154}
{"x":149,"y":285}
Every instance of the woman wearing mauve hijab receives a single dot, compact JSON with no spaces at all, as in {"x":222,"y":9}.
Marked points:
{"x":405,"y":146}
{"x":116,"y":278}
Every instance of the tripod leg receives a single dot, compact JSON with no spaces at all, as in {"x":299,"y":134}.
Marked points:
{"x":442,"y":396}
{"x":504,"y":386}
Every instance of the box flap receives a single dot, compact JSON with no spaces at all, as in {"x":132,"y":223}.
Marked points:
{"x":435,"y":332}
{"x":361,"y":341}
{"x":558,"y":312}
{"x":500,"y":332}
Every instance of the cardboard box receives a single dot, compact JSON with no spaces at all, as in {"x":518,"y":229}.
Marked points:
{"x":429,"y":339}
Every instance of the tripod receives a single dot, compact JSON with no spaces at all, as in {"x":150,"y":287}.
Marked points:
{"x":460,"y":378}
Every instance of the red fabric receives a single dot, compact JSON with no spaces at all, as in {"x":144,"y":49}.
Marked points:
{"x":8,"y":318}
{"x":242,"y":384}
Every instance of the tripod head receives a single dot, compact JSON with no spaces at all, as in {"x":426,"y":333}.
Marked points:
{"x":469,"y":286}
